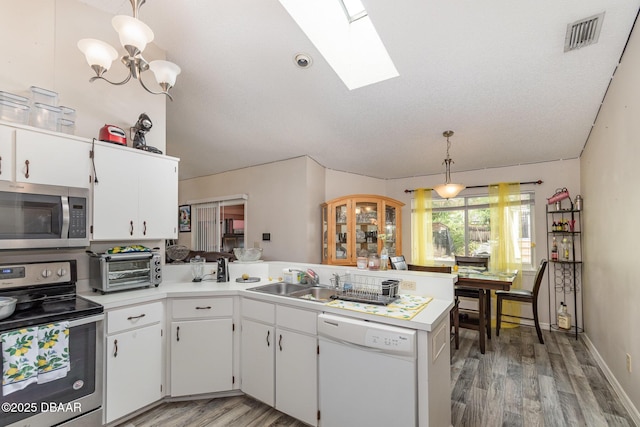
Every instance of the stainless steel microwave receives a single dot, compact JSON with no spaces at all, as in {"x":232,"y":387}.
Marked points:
{"x":43,"y":216}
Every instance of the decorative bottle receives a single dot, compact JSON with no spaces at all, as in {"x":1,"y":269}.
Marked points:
{"x":554,"y":250}
{"x":564,"y":318}
{"x":565,"y":249}
{"x":384,"y":258}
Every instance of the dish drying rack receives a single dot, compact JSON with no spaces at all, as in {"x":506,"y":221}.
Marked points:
{"x":365,"y":289}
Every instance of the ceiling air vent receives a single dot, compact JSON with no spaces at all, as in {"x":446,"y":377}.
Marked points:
{"x":583,"y":32}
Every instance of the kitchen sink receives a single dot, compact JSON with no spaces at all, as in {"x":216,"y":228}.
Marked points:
{"x":279,"y":288}
{"x":294,"y":290}
{"x":315,"y":293}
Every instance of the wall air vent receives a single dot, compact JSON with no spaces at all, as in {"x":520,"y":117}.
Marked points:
{"x":583,"y":32}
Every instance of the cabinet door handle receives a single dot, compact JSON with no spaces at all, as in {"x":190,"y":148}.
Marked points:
{"x":115,"y":350}
{"x":26,"y":163}
{"x":0,"y":165}
{"x":136,"y":317}
{"x":178,"y":333}
{"x":268,"y":343}
{"x":131,"y":228}
{"x":280,"y":342}
{"x":204,"y":308}
{"x":144,"y":228}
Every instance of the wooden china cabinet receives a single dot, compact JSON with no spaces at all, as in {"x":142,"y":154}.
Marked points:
{"x":353,"y":225}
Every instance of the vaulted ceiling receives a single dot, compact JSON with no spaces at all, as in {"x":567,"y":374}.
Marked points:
{"x":495,"y":72}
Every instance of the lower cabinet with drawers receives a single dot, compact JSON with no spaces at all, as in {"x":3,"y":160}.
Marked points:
{"x":134,"y":359}
{"x":201,"y":345}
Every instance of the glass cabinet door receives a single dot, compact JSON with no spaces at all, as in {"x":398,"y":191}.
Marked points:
{"x":391,"y":227}
{"x":366,"y":227}
{"x":325,"y":233}
{"x":341,"y":236}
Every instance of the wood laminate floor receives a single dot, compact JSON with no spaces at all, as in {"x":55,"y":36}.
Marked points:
{"x":517,"y":382}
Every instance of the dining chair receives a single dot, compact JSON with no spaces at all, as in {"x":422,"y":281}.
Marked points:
{"x":454,"y":314}
{"x":523,"y":296}
{"x":473,"y":293}
{"x":398,"y":262}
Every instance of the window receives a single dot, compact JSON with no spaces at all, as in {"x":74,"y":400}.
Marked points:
{"x":461,"y":226}
{"x":218,"y":224}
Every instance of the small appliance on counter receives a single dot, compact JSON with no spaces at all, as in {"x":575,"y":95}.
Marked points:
{"x":197,"y":268}
{"x":112,"y":134}
{"x":122,"y":269}
{"x":140,"y":129}
{"x":223,"y":270}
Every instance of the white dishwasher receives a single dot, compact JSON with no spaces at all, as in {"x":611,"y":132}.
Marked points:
{"x":367,"y":373}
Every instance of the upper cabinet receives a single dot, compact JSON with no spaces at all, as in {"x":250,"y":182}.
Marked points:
{"x":353,"y":225}
{"x":135,"y":194}
{"x":31,"y":157}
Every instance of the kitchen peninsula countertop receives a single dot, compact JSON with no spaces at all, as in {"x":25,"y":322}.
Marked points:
{"x":176,"y":284}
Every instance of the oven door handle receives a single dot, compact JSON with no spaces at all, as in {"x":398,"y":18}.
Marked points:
{"x":86,"y":320}
{"x":128,"y":256}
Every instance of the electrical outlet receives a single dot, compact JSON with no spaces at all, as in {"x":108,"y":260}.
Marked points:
{"x":407,"y":285}
{"x":628,"y":362}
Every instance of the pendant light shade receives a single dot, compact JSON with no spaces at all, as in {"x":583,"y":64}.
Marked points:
{"x":166,"y":72}
{"x":132,"y":32}
{"x":448,"y":190}
{"x":98,"y":53}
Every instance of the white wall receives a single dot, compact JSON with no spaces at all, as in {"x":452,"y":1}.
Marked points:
{"x":610,"y":177}
{"x":284,"y":200}
{"x":38,"y":43}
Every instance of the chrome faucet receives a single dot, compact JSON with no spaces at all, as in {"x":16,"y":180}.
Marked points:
{"x":310,"y":277}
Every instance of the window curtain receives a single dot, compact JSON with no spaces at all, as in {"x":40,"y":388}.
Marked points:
{"x":504,"y":206}
{"x":422,"y":228}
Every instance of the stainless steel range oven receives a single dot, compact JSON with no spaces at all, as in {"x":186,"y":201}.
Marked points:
{"x":52,"y":348}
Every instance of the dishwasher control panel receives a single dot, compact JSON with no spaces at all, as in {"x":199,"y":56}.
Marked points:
{"x":376,"y":336}
{"x":389,"y":340}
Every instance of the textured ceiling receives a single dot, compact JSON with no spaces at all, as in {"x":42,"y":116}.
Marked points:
{"x":495,"y":72}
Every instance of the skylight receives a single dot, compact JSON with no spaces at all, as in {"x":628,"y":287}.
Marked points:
{"x":350,"y":43}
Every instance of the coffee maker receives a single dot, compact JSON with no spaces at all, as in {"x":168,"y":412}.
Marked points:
{"x":223,"y":270}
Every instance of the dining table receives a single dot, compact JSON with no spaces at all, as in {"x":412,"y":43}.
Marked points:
{"x":484,"y":281}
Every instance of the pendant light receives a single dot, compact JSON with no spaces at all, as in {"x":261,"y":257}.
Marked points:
{"x":448,"y":190}
{"x":134,"y":37}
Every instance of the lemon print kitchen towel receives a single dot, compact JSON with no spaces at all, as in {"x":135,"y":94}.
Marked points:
{"x":19,"y":359}
{"x":53,"y":355}
{"x":34,"y":355}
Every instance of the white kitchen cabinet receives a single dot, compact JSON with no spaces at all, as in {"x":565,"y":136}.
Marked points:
{"x":134,"y":359}
{"x":201,"y":346}
{"x":280,"y":370}
{"x":41,"y":158}
{"x":258,"y":360}
{"x":135,"y":194}
{"x":296,"y":375}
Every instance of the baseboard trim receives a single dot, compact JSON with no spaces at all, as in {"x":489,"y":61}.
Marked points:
{"x":628,"y":404}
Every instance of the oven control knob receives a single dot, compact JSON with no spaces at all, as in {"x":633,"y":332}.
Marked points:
{"x":46,"y":273}
{"x":62,"y":272}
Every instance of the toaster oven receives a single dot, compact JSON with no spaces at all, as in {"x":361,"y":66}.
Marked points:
{"x":122,"y":271}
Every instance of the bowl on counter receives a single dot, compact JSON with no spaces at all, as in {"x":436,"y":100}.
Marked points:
{"x":7,"y":306}
{"x":247,"y":254}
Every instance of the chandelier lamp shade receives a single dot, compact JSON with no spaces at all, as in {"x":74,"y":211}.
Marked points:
{"x":448,"y":190}
{"x":134,"y":37}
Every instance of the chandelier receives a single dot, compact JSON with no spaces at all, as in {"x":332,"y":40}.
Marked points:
{"x":134,"y":36}
{"x":448,"y":190}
